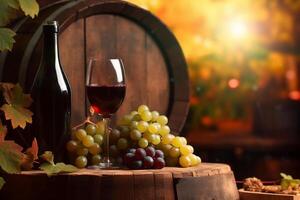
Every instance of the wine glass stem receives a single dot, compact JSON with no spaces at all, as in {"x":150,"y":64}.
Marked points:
{"x":107,"y":131}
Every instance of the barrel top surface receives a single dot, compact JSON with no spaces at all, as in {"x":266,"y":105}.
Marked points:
{"x":203,"y":169}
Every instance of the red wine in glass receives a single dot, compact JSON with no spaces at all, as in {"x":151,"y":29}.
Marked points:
{"x":105,"y":99}
{"x":105,"y":88}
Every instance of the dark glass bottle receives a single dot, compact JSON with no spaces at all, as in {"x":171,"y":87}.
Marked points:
{"x":52,"y":98}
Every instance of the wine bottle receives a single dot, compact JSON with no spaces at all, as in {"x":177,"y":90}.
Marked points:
{"x":52,"y":98}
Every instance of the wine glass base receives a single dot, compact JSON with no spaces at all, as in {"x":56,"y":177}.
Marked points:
{"x":108,"y":165}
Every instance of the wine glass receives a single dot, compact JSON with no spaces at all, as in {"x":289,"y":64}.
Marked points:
{"x":105,"y":88}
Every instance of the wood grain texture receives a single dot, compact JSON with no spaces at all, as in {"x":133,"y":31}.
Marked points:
{"x":246,"y":195}
{"x":131,"y":48}
{"x":145,"y":68}
{"x":221,"y":186}
{"x":206,"y":181}
{"x":72,"y":43}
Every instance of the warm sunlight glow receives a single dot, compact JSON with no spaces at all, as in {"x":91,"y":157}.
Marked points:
{"x":238,"y":29}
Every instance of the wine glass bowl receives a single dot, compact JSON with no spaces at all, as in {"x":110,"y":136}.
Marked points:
{"x":105,"y":89}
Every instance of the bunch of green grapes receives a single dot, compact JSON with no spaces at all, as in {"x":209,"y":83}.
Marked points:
{"x":85,"y":145}
{"x":143,"y":128}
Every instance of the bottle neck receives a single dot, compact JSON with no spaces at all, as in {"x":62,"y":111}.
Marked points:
{"x":51,"y":54}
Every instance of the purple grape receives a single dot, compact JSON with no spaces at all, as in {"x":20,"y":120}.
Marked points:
{"x":140,"y":153}
{"x":137,"y":164}
{"x":150,"y":151}
{"x":159,"y":154}
{"x":159,"y":163}
{"x":148,"y":162}
{"x":131,"y":150}
{"x":128,"y":158}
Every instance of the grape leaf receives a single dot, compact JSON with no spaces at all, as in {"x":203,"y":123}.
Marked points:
{"x":15,"y":95}
{"x":31,"y":154}
{"x":3,"y":132}
{"x":27,"y":162}
{"x":34,"y":149}
{"x":13,"y":3}
{"x":30,"y":7}
{"x":48,"y":156}
{"x":2,"y":182}
{"x":5,"y":87}
{"x":16,"y":107}
{"x":285,"y":176}
{"x":52,"y":169}
{"x":6,"y":38}
{"x":10,"y":156}
{"x":7,"y":11}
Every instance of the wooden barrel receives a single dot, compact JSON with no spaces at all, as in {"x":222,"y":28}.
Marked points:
{"x":155,"y":67}
{"x":204,"y":182}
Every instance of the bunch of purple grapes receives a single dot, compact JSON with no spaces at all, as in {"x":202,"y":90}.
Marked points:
{"x":147,"y":158}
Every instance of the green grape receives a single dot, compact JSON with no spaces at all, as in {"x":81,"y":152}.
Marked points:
{"x":135,"y":134}
{"x":73,"y":135}
{"x":95,"y":149}
{"x":81,"y":162}
{"x":82,"y":151}
{"x":191,"y":148}
{"x":80,"y":134}
{"x":143,"y":143}
{"x":88,"y":141}
{"x":185,"y":150}
{"x":198,"y":159}
{"x":124,"y":131}
{"x":98,"y":139}
{"x":126,"y":119}
{"x":96,"y":159}
{"x":154,"y":127}
{"x":174,"y":152}
{"x":166,"y":148}
{"x":146,"y":115}
{"x":171,"y":162}
{"x":194,"y":160}
{"x":185,"y":161}
{"x":133,"y":125}
{"x":156,"y":139}
{"x":167,"y":139}
{"x":122,"y":144}
{"x":183,"y":141}
{"x":176,"y":142}
{"x":148,"y":136}
{"x":72,"y":146}
{"x":100,"y":127}
{"x":133,"y":113}
{"x":136,"y":117}
{"x":163,"y":120}
{"x":155,"y":115}
{"x":164,"y":130}
{"x":142,"y":108}
{"x":90,"y":129}
{"x":142,"y":126}
{"x":114,"y":135}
